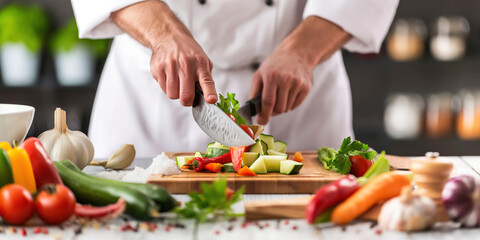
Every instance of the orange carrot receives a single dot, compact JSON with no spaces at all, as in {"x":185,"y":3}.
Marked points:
{"x":383,"y":187}
{"x":245,"y":171}
{"x":298,"y":157}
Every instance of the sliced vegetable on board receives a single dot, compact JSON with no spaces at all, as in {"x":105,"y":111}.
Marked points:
{"x":237,"y":156}
{"x":6,"y":174}
{"x":199,"y":163}
{"x":336,"y":192}
{"x":43,"y":169}
{"x":381,"y":188}
{"x":461,"y":199}
{"x":245,"y":171}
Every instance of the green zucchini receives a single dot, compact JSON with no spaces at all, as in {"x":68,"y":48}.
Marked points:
{"x":290,"y":167}
{"x":268,"y":139}
{"x":162,"y":198}
{"x":228,"y":168}
{"x":216,"y":149}
{"x":100,"y":193}
{"x":280,"y":146}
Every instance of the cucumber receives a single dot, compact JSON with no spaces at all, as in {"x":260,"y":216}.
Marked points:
{"x":259,"y":166}
{"x":280,"y":146}
{"x":268,"y":139}
{"x":228,"y":167}
{"x":257,"y":147}
{"x":249,"y":158}
{"x":159,"y":195}
{"x":290,"y":167}
{"x":198,"y":154}
{"x":272,"y":162}
{"x":216,"y":149}
{"x":275,"y":153}
{"x":100,"y":193}
{"x":182,"y":160}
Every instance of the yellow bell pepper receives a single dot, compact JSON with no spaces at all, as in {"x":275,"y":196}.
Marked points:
{"x":5,"y":146}
{"x":22,"y":168}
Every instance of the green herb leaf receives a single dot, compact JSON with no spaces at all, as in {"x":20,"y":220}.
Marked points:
{"x":230,"y":105}
{"x":341,"y":163}
{"x":212,"y":203}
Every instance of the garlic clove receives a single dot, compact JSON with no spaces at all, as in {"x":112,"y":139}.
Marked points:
{"x":122,"y":158}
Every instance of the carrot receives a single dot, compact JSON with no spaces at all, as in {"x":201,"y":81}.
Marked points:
{"x":245,"y":171}
{"x":298,"y":157}
{"x":383,"y":187}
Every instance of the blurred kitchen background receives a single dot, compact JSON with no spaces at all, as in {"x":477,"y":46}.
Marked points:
{"x":421,"y":93}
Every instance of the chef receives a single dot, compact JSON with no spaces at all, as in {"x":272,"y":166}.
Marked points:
{"x":289,"y":50}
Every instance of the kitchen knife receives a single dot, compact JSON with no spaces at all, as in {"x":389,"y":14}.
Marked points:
{"x":251,"y":108}
{"x":216,"y":124}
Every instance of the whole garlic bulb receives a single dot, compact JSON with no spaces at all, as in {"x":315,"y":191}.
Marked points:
{"x":408,"y":212}
{"x":62,"y":143}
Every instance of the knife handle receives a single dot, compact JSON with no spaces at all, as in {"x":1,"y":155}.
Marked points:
{"x":198,"y":95}
{"x":255,"y":104}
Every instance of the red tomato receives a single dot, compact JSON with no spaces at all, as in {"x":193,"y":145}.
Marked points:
{"x":232,"y":117}
{"x":248,"y":130}
{"x":55,"y":203}
{"x":16,"y":204}
{"x":359,"y":165}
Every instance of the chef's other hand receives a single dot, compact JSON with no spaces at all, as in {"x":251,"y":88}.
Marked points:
{"x":177,"y":61}
{"x":285,"y":76}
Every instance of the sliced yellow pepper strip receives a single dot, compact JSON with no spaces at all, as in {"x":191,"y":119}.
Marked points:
{"x":22,"y":169}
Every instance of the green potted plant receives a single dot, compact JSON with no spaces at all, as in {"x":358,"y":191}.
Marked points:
{"x":22,"y":35}
{"x":74,"y":57}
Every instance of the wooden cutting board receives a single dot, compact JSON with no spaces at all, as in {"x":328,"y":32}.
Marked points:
{"x":311,"y":177}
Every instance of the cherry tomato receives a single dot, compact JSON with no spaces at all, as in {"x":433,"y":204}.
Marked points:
{"x":55,"y":203}
{"x":248,"y":130}
{"x":232,"y":117}
{"x":360,"y":165}
{"x":16,"y":204}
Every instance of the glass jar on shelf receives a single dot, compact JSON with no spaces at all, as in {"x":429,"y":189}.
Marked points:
{"x":406,"y":41}
{"x":468,"y":118}
{"x":439,"y":115}
{"x":403,"y":116}
{"x":449,"y":36}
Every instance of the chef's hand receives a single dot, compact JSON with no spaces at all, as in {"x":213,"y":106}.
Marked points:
{"x":177,"y":61}
{"x":285,"y":76}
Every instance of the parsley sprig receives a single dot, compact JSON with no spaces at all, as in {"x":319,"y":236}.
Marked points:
{"x":339,"y":161}
{"x":212,"y":204}
{"x":230,"y":105}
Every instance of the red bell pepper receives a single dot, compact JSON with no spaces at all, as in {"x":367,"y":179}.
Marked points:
{"x":44,"y":170}
{"x":237,"y":155}
{"x":199,"y":163}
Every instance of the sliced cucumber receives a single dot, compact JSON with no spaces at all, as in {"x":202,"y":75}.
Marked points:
{"x":216,"y":149}
{"x":249,"y":158}
{"x":268,"y":139}
{"x":228,"y":167}
{"x":182,"y":160}
{"x":198,"y":154}
{"x":272,"y":162}
{"x":257,"y":147}
{"x":280,"y":146}
{"x":264,"y":146}
{"x":258,"y":166}
{"x":290,"y":167}
{"x":273,"y":152}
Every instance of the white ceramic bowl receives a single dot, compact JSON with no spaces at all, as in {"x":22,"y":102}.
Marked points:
{"x":15,"y":121}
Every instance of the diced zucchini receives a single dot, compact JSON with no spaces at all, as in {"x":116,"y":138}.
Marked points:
{"x":257,"y":147}
{"x":280,"y":146}
{"x":264,"y":146}
{"x":273,"y":152}
{"x":259,"y":166}
{"x":268,"y":139}
{"x":216,"y":149}
{"x":182,"y":160}
{"x":290,"y":167}
{"x":228,"y":167}
{"x":272,"y":162}
{"x":198,"y":154}
{"x":249,"y":158}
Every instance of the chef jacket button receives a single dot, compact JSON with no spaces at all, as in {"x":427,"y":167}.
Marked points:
{"x":269,"y":2}
{"x":255,"y":66}
{"x":202,"y":1}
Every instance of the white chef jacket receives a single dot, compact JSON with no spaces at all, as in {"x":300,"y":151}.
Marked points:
{"x":130,"y":106}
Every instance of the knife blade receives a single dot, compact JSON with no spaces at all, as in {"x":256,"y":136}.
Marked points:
{"x":251,"y":108}
{"x":216,"y":124}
